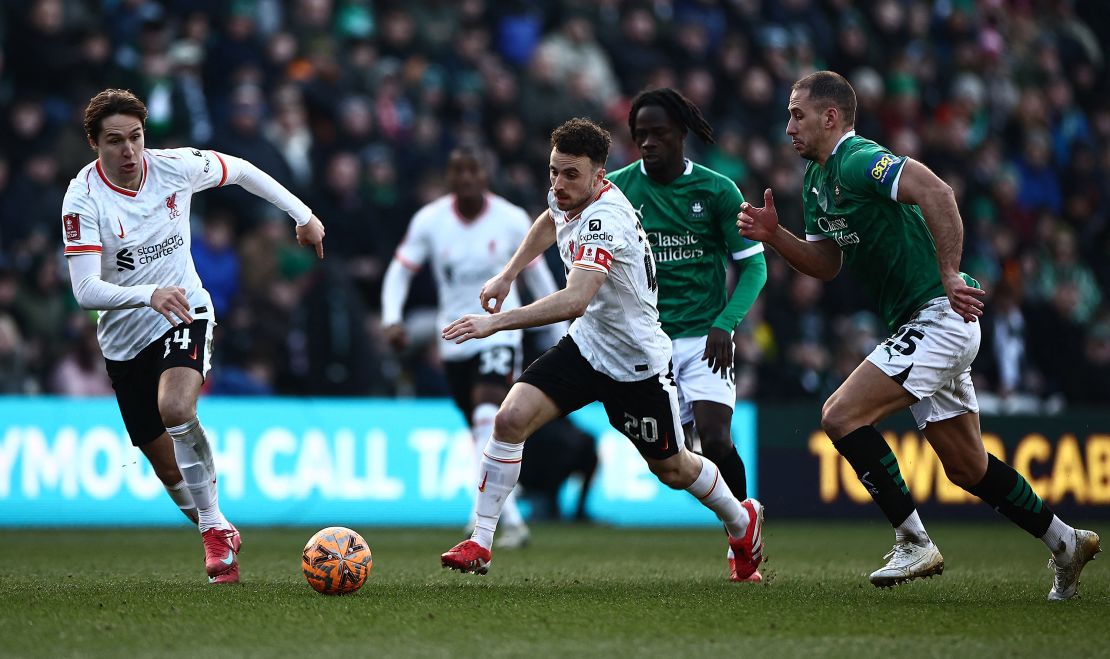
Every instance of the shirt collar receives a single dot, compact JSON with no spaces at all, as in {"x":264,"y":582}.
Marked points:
{"x":685,"y":172}
{"x":843,"y":137}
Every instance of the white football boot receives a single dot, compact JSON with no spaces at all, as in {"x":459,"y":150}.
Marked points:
{"x":1065,"y":583}
{"x":908,"y":561}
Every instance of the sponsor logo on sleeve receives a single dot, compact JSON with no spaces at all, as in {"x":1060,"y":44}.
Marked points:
{"x":72,"y":224}
{"x":591,"y":254}
{"x":595,"y":225}
{"x":881,"y":166}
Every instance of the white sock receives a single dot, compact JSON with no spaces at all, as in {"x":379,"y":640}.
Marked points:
{"x":184,"y":499}
{"x":912,"y":530}
{"x":482,"y":427}
{"x":712,"y":492}
{"x":1060,"y":538}
{"x":190,"y":447}
{"x":500,"y":471}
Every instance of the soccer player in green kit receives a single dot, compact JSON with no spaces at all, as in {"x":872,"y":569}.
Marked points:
{"x":896,"y":225}
{"x":689,"y":212}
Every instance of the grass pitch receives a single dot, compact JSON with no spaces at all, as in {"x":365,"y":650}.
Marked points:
{"x":576,"y":591}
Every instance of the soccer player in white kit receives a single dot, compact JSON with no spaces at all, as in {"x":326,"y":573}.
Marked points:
{"x":125,"y":227}
{"x":616,"y":351}
{"x":467,"y":236}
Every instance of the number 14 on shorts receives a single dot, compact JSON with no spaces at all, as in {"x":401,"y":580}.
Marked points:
{"x":181,"y":338}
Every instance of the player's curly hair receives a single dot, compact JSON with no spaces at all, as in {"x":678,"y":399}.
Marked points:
{"x":109,"y":102}
{"x":832,"y":88}
{"x":582,"y":137}
{"x":680,"y":109}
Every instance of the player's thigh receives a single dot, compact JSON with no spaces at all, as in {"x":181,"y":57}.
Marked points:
{"x":184,"y":360}
{"x":135,"y":382}
{"x":696,"y":380}
{"x":564,"y":376}
{"x":524,"y":410}
{"x":647,"y":413}
{"x":865,"y":398}
{"x":930,"y":357}
{"x":958,"y":443}
{"x":714,"y":423}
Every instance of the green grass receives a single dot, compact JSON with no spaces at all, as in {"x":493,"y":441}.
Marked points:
{"x":577,"y":591}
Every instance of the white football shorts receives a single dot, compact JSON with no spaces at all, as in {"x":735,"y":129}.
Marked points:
{"x":930,"y":356}
{"x":695,"y":380}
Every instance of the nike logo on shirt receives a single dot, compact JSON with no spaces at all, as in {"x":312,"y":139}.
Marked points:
{"x":120,"y":222}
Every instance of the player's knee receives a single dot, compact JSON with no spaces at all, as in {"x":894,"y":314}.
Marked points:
{"x":836,"y":420}
{"x":670,"y":475}
{"x":175,"y":412}
{"x":510,"y":425}
{"x":965,"y":474}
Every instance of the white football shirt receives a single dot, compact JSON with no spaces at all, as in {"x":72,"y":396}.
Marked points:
{"x":143,"y":238}
{"x":464,"y":255}
{"x":619,"y":335}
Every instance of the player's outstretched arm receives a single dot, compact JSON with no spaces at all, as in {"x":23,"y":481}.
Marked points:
{"x":571,"y":302}
{"x":540,"y":236}
{"x":310,"y":230}
{"x":820,"y":259}
{"x":917,"y":184}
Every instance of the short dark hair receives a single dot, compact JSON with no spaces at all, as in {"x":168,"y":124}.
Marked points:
{"x":832,"y":88}
{"x":109,"y":102}
{"x":474,"y":151}
{"x":680,"y":109}
{"x":582,"y":137}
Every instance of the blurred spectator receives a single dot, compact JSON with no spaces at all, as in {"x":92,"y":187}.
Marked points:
{"x":216,"y":260}
{"x":14,"y":378}
{"x":353,"y":103}
{"x":1063,"y":266}
{"x":1093,"y":383}
{"x":81,"y":372}
{"x":573,"y":51}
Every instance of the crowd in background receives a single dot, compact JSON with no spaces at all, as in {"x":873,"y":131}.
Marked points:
{"x":354,"y":105}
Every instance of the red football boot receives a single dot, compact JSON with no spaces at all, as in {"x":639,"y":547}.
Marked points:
{"x":467,"y":556}
{"x":221,"y":553}
{"x":748,"y":550}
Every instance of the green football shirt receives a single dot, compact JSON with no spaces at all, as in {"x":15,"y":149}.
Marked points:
{"x":852,"y":199}
{"x":691,"y":224}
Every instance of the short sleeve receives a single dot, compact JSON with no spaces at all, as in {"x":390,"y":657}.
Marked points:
{"x":872,"y":171}
{"x":599,"y":239}
{"x":80,"y":223}
{"x":728,"y":207}
{"x":417,"y":244}
{"x":204,"y":169}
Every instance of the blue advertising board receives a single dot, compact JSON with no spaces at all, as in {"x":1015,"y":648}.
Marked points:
{"x":66,"y":461}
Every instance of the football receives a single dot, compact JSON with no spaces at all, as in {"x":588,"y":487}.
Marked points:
{"x":336,"y":561}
